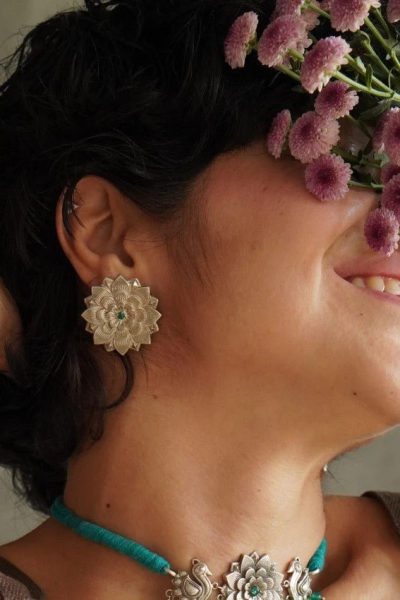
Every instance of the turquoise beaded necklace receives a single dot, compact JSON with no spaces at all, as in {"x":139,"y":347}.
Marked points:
{"x":150,"y":559}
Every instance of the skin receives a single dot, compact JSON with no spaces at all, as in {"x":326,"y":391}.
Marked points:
{"x":267,"y":365}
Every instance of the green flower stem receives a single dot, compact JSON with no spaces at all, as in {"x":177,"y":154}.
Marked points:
{"x":252,"y":45}
{"x":312,"y":37}
{"x":354,"y":160}
{"x":288,"y":71}
{"x":369,"y":163}
{"x":353,"y":63}
{"x":385,"y":93}
{"x":359,"y":69}
{"x":351,"y":158}
{"x":377,"y":34}
{"x":363,"y":88}
{"x":373,"y":55}
{"x":297,"y":54}
{"x":378,"y":14}
{"x":369,"y":186}
{"x":319,"y":10}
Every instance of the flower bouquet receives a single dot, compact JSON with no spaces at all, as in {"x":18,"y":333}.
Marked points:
{"x":353,"y":74}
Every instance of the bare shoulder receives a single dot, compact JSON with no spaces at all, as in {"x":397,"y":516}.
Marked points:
{"x":359,"y":511}
{"x":372,"y":539}
{"x":364,"y":528}
{"x":10,"y":552}
{"x":14,"y":552}
{"x":19,"y":569}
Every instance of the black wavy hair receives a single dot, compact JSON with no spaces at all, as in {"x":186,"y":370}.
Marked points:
{"x":134,"y":91}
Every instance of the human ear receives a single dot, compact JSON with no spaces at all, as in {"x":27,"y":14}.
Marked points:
{"x":104,"y":245}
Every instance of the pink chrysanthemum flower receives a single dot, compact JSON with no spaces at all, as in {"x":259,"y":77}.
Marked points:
{"x":388,"y":172}
{"x":240,"y":36}
{"x":391,"y":196}
{"x":335,"y":100}
{"x":377,"y":140}
{"x":278,"y":133}
{"x":322,"y":61}
{"x":310,"y":17}
{"x":328,"y":177}
{"x":288,"y":7}
{"x":349,"y":15}
{"x":391,"y":137}
{"x":282,"y":35}
{"x":382,"y":231}
{"x":393,"y":11}
{"x":312,"y":135}
{"x":294,"y":7}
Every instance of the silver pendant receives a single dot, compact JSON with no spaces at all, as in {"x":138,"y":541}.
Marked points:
{"x":187,"y":588}
{"x":253,"y":577}
{"x":299,"y":584}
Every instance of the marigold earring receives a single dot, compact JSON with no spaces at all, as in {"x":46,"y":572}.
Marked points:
{"x":121,"y":314}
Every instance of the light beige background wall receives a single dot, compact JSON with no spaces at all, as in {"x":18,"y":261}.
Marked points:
{"x":20,"y":14}
{"x":376,"y":466}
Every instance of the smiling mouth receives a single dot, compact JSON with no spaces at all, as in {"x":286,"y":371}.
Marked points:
{"x":381,"y":286}
{"x":377,"y":283}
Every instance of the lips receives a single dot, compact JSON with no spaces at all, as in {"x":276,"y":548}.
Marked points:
{"x":370,"y":266}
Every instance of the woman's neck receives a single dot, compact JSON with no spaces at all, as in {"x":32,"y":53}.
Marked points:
{"x":196,"y":475}
{"x":196,"y":479}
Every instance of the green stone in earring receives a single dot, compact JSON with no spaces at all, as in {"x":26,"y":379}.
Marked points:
{"x":255,"y":591}
{"x":121,"y":315}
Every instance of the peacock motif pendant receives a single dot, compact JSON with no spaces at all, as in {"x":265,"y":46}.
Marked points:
{"x":252,"y":578}
{"x":198,"y":588}
{"x":299,"y":584}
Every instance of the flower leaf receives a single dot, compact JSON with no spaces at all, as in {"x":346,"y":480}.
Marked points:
{"x":364,"y":35}
{"x":384,"y":159}
{"x":370,"y":180}
{"x":360,"y":62}
{"x":377,"y":110}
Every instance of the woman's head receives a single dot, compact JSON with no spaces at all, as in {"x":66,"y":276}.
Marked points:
{"x":127,"y":109}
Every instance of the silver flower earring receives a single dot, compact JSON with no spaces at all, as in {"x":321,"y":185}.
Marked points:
{"x":121,"y":314}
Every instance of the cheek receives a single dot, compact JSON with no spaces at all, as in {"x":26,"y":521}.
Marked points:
{"x":270,"y":251}
{"x":278,"y":306}
{"x":272,"y":241}
{"x":271,"y":244}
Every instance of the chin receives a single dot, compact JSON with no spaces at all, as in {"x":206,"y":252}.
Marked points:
{"x":377,"y":389}
{"x":365,"y":336}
